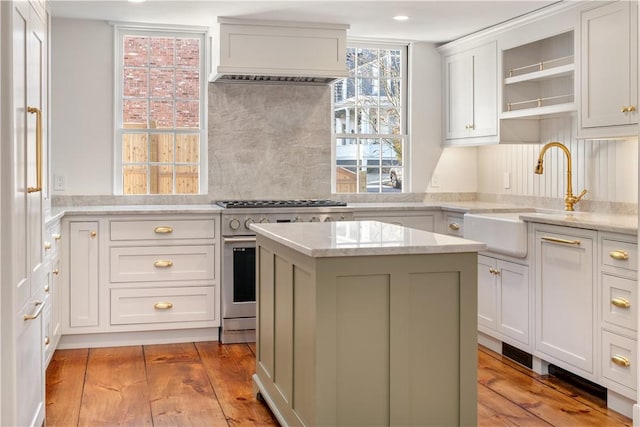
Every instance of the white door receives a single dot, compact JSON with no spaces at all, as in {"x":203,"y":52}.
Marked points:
{"x":513,"y":301}
{"x":487,"y":294}
{"x":458,"y":95}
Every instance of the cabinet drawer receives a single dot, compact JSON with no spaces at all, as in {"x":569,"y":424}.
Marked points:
{"x":162,"y":263}
{"x":189,"y":304}
{"x":619,"y":301}
{"x":620,"y":254}
{"x":619,"y":357}
{"x":454,"y":224}
{"x":163,"y":229}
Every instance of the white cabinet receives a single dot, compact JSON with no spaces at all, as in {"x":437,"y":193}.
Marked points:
{"x":609,"y":71}
{"x":24,"y":269}
{"x":140,"y":274}
{"x":419,"y":219}
{"x":83,"y":283}
{"x":565,"y":297}
{"x":503,"y":301}
{"x":470,"y":96}
{"x":454,"y":224}
{"x":618,"y":314}
{"x":52,"y":313}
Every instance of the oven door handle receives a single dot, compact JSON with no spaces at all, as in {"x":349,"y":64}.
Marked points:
{"x":245,"y":239}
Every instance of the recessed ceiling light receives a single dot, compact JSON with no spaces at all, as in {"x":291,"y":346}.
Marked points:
{"x":401,"y":17}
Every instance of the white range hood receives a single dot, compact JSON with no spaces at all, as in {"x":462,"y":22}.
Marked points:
{"x":278,"y":51}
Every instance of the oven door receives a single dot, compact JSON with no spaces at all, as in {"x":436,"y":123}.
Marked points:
{"x":239,"y":277}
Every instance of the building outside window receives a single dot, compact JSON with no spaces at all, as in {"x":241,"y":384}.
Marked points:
{"x":370,"y":120}
{"x":160,"y":112}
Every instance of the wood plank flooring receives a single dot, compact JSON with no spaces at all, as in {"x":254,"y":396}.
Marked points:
{"x":208,"y":384}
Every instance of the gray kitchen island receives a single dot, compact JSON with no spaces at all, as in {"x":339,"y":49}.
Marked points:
{"x":363,"y":323}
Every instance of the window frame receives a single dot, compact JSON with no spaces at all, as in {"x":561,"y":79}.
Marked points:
{"x":404,"y":118}
{"x":125,"y":29}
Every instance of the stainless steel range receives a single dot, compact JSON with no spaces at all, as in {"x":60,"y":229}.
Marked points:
{"x":239,"y":253}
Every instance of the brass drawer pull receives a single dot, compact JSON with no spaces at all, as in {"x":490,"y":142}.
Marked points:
{"x":163,"y":264}
{"x":563,"y":241}
{"x":619,"y":255}
{"x":454,"y":226}
{"x":39,"y":306}
{"x":38,"y":113}
{"x":621,"y":302}
{"x":163,"y":230}
{"x":621,"y":361}
{"x":163,"y":305}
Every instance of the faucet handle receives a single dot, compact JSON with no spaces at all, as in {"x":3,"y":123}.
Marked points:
{"x":581,"y":195}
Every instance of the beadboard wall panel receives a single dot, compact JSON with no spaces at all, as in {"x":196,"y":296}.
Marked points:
{"x":608,"y":169}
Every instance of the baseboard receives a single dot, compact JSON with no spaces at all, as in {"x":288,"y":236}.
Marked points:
{"x":120,"y":339}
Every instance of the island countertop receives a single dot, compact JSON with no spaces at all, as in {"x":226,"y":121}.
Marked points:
{"x":362,"y":238}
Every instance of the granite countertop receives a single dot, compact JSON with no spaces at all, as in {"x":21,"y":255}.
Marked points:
{"x":362,"y":238}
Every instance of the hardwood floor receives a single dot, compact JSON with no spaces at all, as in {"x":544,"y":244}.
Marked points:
{"x":208,"y":384}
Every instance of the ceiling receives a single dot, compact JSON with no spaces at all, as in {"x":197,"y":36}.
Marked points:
{"x":433,"y":21}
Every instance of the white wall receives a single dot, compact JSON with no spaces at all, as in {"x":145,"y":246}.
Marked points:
{"x":425,"y":123}
{"x":456,"y":172}
{"x":82,"y":105}
{"x":607,"y":169}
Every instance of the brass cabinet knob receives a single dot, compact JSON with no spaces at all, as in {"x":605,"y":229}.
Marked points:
{"x":621,"y":361}
{"x":56,"y":236}
{"x":46,"y":288}
{"x":624,"y":109}
{"x":47,"y":245}
{"x":631,"y":108}
{"x":621,"y":302}
{"x":46,"y":340}
{"x":163,"y":305}
{"x":93,"y":234}
{"x":454,"y":226}
{"x":56,"y":271}
{"x":619,"y":255}
{"x":163,"y":264}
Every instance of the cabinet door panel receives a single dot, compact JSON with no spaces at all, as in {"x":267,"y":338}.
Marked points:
{"x":83,"y":274}
{"x":606,"y":66}
{"x":485,"y":92}
{"x":458,"y":98}
{"x":487,"y":293}
{"x":513,"y":304}
{"x":564,"y":299}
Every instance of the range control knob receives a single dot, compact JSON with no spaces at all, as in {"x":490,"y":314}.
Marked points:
{"x":314,"y":219}
{"x":264,"y":220}
{"x":248,"y":222}
{"x":328,"y":219}
{"x":234,"y":224}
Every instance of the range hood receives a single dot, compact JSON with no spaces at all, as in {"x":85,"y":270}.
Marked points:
{"x":257,"y":51}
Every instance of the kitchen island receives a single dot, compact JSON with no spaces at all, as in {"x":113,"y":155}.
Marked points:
{"x":366,"y":323}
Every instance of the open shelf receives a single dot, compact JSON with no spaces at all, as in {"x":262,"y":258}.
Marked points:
{"x":536,"y":76}
{"x":537,"y":112}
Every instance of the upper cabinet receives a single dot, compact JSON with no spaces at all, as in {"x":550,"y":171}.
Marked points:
{"x":609,"y":71}
{"x":538,"y":78}
{"x":470,"y":96}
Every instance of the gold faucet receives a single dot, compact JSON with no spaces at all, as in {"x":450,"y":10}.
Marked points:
{"x":569,"y":199}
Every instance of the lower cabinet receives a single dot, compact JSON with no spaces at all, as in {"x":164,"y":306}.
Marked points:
{"x":503,"y":301}
{"x":140,"y":274}
{"x":565,"y":298}
{"x":419,"y":219}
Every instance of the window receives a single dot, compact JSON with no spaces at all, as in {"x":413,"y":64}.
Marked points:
{"x":160,"y":112}
{"x":370,"y":120}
